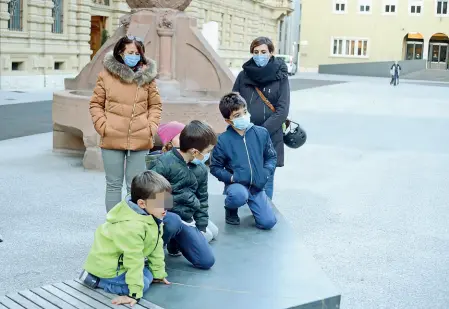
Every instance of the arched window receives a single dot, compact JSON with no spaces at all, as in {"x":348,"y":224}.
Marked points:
{"x":15,"y":15}
{"x":58,"y":14}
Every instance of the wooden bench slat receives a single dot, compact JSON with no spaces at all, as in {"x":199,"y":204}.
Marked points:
{"x":84,"y":298}
{"x":60,"y":303}
{"x":81,"y":288}
{"x":22,"y":301}
{"x":66,"y":297}
{"x":9,"y":303}
{"x":76,"y":283}
{"x":3,"y":307}
{"x":36,"y":299}
{"x":142,"y":303}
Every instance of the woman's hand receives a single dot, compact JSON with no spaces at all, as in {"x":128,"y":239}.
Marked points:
{"x":124,"y":300}
{"x":165,"y":281}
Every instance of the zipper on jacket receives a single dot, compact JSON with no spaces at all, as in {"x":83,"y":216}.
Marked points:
{"x":251,"y":100}
{"x":249,"y":161}
{"x":132,"y":116}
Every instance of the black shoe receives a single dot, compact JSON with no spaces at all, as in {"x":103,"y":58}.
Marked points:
{"x":89,"y":279}
{"x":232,"y":216}
{"x":173,"y":248}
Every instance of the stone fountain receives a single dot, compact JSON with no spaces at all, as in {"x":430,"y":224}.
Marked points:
{"x":191,"y":78}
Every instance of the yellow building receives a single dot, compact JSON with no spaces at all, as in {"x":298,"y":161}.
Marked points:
{"x":44,"y":41}
{"x":350,"y":31}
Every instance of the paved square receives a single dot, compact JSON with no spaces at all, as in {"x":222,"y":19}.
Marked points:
{"x":368,"y":194}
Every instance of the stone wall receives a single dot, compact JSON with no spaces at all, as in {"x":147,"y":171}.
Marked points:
{"x":35,"y":57}
{"x":375,"y":69}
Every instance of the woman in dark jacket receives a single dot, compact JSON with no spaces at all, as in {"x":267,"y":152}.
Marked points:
{"x":270,"y":75}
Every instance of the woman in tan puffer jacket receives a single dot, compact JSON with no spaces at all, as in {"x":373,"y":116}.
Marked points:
{"x":126,"y":111}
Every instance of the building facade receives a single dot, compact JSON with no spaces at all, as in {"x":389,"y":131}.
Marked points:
{"x":45,"y":41}
{"x":353,"y":31}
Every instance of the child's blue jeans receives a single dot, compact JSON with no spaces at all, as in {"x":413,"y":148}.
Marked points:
{"x":118,"y":284}
{"x":260,"y":205}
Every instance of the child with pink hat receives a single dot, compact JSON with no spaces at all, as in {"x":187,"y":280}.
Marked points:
{"x":169,"y":134}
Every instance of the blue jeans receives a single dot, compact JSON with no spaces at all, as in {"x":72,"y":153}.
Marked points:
{"x":118,"y":284}
{"x":238,"y":195}
{"x":269,"y":187}
{"x":192,"y":243}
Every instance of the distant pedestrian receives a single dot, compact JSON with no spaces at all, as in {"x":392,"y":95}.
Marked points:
{"x":126,"y":111}
{"x":264,"y":81}
{"x":395,"y":71}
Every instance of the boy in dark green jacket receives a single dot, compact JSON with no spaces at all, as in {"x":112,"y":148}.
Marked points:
{"x":187,"y":173}
{"x":127,"y":254}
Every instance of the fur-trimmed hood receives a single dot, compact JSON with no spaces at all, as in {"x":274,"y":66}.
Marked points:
{"x":126,"y":74}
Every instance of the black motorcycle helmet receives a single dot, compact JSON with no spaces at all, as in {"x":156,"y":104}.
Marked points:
{"x":294,"y":135}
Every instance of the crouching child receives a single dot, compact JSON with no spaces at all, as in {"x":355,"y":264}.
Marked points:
{"x":127,"y":254}
{"x":189,"y":232}
{"x":244,"y":159}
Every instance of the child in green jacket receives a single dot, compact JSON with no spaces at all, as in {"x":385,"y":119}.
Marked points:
{"x":127,"y":254}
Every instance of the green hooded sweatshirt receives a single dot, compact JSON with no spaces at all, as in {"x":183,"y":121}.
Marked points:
{"x":122,"y":243}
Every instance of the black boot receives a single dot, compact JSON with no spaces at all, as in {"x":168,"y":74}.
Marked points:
{"x":173,"y":248}
{"x":232,"y":216}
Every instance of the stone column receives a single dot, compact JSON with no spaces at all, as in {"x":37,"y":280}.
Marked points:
{"x":425,"y":52}
{"x":83,"y":31}
{"x":165,"y":32}
{"x":40,"y":20}
{"x":4,"y":15}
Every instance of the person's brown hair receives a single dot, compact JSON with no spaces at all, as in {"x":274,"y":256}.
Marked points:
{"x":260,"y":41}
{"x":167,"y":147}
{"x":147,"y":184}
{"x":230,"y":103}
{"x":198,"y":135}
{"x":120,"y":46}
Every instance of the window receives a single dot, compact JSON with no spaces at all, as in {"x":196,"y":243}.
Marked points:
{"x":59,"y":65}
{"x":365,"y":6}
{"x":15,"y":10}
{"x":16,"y":66}
{"x":442,"y":7}
{"x":340,"y":6}
{"x":57,"y":14}
{"x":347,"y":47}
{"x":390,"y":8}
{"x":415,"y":7}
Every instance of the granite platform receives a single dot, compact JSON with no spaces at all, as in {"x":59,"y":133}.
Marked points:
{"x":253,"y":269}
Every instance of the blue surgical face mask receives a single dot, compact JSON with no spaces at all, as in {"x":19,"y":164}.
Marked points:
{"x":261,"y":60}
{"x":243,"y":122}
{"x":131,"y":60}
{"x":197,"y":161}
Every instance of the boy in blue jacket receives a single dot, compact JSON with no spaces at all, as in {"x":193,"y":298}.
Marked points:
{"x":244,"y":159}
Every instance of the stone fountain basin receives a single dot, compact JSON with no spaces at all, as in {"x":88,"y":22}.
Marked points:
{"x":73,"y":131}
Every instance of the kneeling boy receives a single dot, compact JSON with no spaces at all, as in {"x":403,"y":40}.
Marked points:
{"x":244,"y":159}
{"x":127,"y":254}
{"x":184,"y":168}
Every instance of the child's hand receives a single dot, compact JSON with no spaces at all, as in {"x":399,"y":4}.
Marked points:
{"x":165,"y":281}
{"x":124,"y":300}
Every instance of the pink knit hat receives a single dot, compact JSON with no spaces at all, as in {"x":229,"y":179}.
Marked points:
{"x":168,"y":131}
